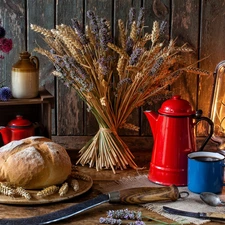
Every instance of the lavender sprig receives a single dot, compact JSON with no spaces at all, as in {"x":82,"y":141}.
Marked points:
{"x":103,"y":65}
{"x":104,"y":35}
{"x":93,"y":21}
{"x":140,"y":20}
{"x":162,"y":27}
{"x":132,"y":14}
{"x":129,"y":45}
{"x":135,"y":56}
{"x":80,"y":32}
{"x":125,"y":214}
{"x":116,"y":216}
{"x":93,"y":24}
{"x":110,"y":221}
{"x":119,"y":222}
{"x":156,"y":66}
{"x":126,"y":80}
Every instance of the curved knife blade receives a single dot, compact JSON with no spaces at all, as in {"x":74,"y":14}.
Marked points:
{"x":58,"y":215}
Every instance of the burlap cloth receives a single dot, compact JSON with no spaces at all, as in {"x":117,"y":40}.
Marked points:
{"x":192,"y":203}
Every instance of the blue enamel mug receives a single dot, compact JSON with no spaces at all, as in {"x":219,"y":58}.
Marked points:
{"x":205,"y":172}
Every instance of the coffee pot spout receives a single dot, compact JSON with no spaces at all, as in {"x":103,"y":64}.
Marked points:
{"x":152,"y":119}
{"x":6,"y":135}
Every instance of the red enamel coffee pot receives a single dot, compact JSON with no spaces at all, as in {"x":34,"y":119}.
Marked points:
{"x":174,"y":138}
{"x":17,"y":129}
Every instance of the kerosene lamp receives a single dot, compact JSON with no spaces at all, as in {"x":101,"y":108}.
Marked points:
{"x":218,"y":106}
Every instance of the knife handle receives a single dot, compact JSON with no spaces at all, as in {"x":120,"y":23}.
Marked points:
{"x":215,"y":215}
{"x":144,"y":195}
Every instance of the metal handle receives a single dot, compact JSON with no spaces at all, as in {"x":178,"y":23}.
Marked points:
{"x":211,"y":125}
{"x":144,"y":195}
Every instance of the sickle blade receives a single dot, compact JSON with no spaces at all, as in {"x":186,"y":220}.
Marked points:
{"x":58,"y":215}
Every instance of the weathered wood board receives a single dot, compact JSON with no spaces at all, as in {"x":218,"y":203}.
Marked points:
{"x":198,"y":23}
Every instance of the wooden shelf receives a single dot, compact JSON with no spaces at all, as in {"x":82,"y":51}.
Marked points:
{"x":37,"y":110}
{"x":44,"y":97}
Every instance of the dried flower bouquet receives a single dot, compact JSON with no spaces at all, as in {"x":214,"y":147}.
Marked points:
{"x":113,"y":78}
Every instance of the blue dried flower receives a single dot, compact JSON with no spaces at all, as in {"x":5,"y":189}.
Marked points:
{"x":5,"y":93}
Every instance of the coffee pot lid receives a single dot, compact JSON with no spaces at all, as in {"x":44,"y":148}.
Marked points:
{"x":176,"y":107}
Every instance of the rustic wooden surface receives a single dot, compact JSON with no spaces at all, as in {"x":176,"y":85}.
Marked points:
{"x":198,"y":23}
{"x":92,"y":216}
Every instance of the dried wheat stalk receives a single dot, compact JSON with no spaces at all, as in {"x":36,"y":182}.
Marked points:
{"x":114,"y":78}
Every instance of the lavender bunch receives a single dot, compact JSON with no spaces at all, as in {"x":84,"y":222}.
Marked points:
{"x":125,"y":214}
{"x":119,"y":221}
{"x":116,"y":216}
{"x":113,"y":77}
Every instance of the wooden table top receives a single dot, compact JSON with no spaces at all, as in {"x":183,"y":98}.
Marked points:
{"x":90,"y":217}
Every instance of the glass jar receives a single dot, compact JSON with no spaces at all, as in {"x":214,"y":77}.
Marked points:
{"x":25,"y":77}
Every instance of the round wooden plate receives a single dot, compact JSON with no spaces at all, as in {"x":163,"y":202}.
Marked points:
{"x":84,"y":186}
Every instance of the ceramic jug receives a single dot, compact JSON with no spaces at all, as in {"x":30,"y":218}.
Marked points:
{"x":25,"y":77}
{"x":174,"y":138}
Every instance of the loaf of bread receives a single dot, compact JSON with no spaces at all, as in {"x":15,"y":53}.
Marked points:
{"x":34,"y":163}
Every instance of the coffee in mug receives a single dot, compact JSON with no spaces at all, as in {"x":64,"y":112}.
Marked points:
{"x":205,"y":172}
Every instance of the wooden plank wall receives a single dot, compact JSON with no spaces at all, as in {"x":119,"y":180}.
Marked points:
{"x":200,"y":23}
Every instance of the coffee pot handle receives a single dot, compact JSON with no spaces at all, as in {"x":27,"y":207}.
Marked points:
{"x":199,"y":117}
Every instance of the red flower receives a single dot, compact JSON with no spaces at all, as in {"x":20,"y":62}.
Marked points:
{"x":5,"y":45}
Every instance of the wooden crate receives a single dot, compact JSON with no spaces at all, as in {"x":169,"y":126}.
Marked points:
{"x":37,"y":110}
